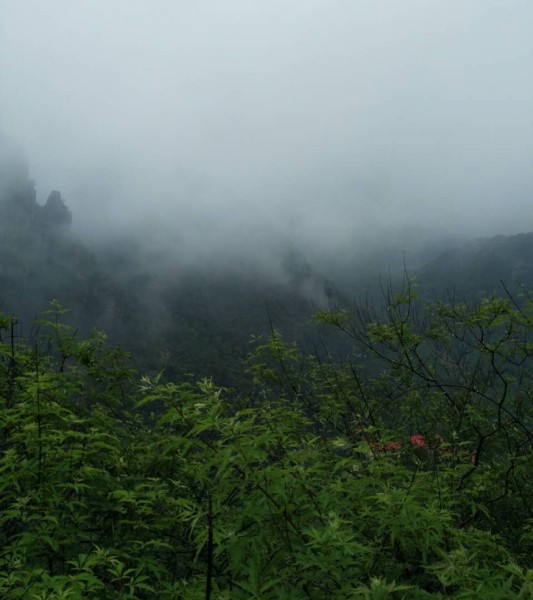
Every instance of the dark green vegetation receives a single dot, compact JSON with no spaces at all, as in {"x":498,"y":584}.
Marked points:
{"x":325,"y":481}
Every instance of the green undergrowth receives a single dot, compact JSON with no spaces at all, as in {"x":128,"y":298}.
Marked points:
{"x":404,"y":472}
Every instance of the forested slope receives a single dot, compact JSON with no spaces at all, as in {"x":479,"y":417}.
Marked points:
{"x":482,"y":267}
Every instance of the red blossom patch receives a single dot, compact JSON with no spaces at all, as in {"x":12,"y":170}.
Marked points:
{"x":418,"y":440}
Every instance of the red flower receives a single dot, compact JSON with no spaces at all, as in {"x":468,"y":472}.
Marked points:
{"x":418,"y":440}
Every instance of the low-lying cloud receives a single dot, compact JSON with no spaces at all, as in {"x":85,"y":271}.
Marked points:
{"x":212,"y":123}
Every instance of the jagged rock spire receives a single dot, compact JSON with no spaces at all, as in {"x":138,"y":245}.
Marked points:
{"x":55,"y":211}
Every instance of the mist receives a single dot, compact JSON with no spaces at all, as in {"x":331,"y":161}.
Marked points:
{"x":216,"y":127}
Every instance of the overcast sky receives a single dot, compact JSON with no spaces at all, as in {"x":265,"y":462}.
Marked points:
{"x":322,"y":116}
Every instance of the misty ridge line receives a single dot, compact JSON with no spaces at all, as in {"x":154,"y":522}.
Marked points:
{"x":165,"y":310}
{"x":256,"y":253}
{"x":192,"y":312}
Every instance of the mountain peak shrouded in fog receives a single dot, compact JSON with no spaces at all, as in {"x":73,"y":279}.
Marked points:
{"x":18,"y":199}
{"x":197,"y":314}
{"x":55,"y":210}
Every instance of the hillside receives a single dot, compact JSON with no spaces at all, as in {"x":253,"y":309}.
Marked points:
{"x":186,"y":319}
{"x":479,"y":267}
{"x":196,"y":320}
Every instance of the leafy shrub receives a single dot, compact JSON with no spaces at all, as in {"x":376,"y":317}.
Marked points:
{"x":403,"y":474}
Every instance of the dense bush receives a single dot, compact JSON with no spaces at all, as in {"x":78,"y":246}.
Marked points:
{"x":405,"y":473}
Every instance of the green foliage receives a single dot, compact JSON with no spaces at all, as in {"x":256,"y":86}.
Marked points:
{"x":326,"y":481}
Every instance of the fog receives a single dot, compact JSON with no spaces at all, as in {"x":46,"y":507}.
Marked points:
{"x":215,"y":124}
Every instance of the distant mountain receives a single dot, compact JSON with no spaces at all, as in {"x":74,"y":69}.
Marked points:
{"x":182,"y":318}
{"x":479,"y":268}
{"x":41,"y":259}
{"x":200,"y":318}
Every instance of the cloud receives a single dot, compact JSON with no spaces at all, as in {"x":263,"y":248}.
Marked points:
{"x":326,"y":120}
